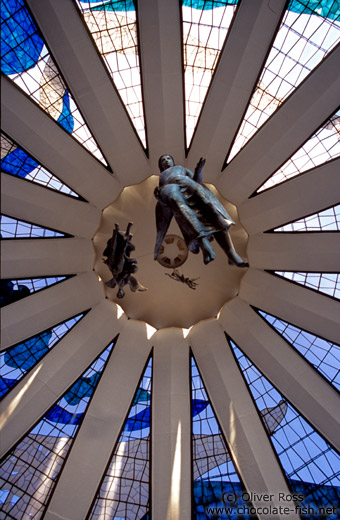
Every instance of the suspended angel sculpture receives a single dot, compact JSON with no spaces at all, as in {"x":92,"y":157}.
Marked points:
{"x":199,"y":214}
{"x":117,"y":251}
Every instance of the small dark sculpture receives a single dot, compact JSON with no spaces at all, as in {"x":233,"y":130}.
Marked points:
{"x":199,"y":214}
{"x":117,"y":251}
{"x":190,"y":282}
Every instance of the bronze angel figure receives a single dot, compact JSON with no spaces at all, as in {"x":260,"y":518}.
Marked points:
{"x":121,"y":265}
{"x":199,"y":214}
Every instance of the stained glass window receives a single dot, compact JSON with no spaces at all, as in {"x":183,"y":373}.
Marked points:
{"x":311,"y":465}
{"x":14,"y":228}
{"x":308,"y":32}
{"x":327,"y":283}
{"x":16,"y":161}
{"x":125,"y":489}
{"x":14,"y":290}
{"x":205,"y":28}
{"x":322,"y":354}
{"x":113,"y":26}
{"x":214,"y":473}
{"x":323,"y":146}
{"x":30,"y":470}
{"x":326,"y":220}
{"x":17,"y":360}
{"x":26,"y":60}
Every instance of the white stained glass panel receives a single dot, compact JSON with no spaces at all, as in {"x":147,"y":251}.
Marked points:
{"x":301,"y":43}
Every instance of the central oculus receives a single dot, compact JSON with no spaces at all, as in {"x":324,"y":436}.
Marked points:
{"x":168,"y":303}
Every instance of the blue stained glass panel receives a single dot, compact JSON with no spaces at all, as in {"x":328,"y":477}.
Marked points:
{"x":113,"y":26}
{"x":11,"y":293}
{"x":325,"y":220}
{"x":21,"y":45}
{"x":213,"y":470}
{"x":322,"y":147}
{"x":325,"y":8}
{"x":303,"y":40}
{"x":31,"y":469}
{"x":322,"y":354}
{"x":17,"y":360}
{"x":128,"y":5}
{"x":14,"y":228}
{"x":327,"y":283}
{"x":124,"y":491}
{"x":206,"y":5}
{"x":111,"y":5}
{"x":26,"y":61}
{"x":308,"y":461}
{"x":141,"y":395}
{"x":322,"y":496}
{"x":205,"y":26}
{"x":14,"y":290}
{"x":17,"y":162}
{"x":66,"y":118}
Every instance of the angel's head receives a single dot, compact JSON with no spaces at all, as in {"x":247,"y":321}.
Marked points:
{"x":165,"y":162}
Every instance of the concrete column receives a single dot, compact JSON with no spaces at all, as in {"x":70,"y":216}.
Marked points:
{"x":231,"y":88}
{"x":102,"y":425}
{"x":48,"y":208}
{"x":36,"y":257}
{"x":92,"y":87}
{"x":55,"y":373}
{"x":240,"y":424}
{"x":300,"y":196}
{"x":318,"y":252}
{"x":41,"y":137}
{"x":294,"y":303}
{"x":171,"y":427}
{"x":300,"y":115}
{"x":291,"y":374}
{"x":162,"y":75}
{"x":31,"y":315}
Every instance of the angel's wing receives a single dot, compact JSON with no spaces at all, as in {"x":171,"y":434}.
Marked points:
{"x":163,"y":219}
